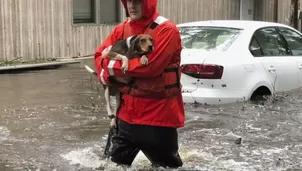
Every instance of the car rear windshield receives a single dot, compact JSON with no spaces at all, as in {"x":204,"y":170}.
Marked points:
{"x":208,"y":38}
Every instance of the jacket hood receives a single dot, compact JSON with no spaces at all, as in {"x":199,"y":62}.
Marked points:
{"x":149,"y":8}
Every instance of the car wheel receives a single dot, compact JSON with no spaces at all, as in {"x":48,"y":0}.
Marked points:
{"x":260,"y":92}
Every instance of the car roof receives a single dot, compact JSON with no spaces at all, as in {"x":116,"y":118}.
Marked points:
{"x":240,"y":24}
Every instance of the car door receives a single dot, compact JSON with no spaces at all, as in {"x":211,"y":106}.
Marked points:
{"x":276,"y":59}
{"x":294,"y":41}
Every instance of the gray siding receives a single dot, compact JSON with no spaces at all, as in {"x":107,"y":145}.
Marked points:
{"x":43,"y":28}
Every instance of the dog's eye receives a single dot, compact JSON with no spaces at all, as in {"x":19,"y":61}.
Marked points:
{"x":143,"y":40}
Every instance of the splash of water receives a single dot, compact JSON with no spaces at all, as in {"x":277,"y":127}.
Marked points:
{"x":4,"y":133}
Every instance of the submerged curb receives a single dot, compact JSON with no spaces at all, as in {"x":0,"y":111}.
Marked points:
{"x":39,"y":65}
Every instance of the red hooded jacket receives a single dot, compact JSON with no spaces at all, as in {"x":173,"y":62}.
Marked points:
{"x":168,"y":112}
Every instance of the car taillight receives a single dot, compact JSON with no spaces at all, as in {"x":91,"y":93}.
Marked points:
{"x":202,"y":71}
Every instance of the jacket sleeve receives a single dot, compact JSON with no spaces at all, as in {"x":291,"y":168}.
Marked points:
{"x":166,"y":41}
{"x":111,"y":39}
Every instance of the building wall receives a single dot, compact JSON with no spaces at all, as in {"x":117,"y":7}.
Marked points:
{"x":192,"y":10}
{"x":285,"y":11}
{"x":273,"y":10}
{"x":265,"y":10}
{"x":43,"y":28}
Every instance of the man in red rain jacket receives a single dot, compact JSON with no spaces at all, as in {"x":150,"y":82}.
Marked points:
{"x":152,"y":106}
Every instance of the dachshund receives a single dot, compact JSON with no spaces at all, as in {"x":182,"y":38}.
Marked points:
{"x":125,"y":49}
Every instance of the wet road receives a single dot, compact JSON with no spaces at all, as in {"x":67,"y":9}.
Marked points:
{"x":55,"y":120}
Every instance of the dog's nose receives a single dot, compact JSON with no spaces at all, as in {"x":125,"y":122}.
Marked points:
{"x":150,"y":47}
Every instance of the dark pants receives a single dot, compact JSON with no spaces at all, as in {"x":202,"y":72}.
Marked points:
{"x":159,"y":144}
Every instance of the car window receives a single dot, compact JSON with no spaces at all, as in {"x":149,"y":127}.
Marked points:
{"x":271,"y":42}
{"x":208,"y":38}
{"x":255,"y":48}
{"x":293,"y":39}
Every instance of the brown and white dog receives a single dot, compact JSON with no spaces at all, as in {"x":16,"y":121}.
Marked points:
{"x":132,"y":47}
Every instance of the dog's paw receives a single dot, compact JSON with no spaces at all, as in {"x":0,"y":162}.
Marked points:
{"x":144,"y":60}
{"x":125,"y":65}
{"x":125,"y":69}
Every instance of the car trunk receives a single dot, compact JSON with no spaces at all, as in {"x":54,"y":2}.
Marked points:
{"x":191,"y":62}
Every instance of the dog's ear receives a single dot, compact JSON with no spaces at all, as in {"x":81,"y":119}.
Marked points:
{"x":133,"y":38}
{"x":134,"y":44}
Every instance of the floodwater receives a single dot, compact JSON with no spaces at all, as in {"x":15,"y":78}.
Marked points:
{"x":55,"y":120}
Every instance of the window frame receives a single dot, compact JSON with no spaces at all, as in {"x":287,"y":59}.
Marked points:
{"x":254,"y":38}
{"x":96,"y":7}
{"x":261,"y":48}
{"x":93,"y":13}
{"x":118,"y":11}
{"x":279,"y":31}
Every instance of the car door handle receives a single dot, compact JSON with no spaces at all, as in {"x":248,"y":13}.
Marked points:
{"x":271,"y":69}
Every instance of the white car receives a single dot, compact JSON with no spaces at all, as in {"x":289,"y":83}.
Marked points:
{"x":225,"y":61}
